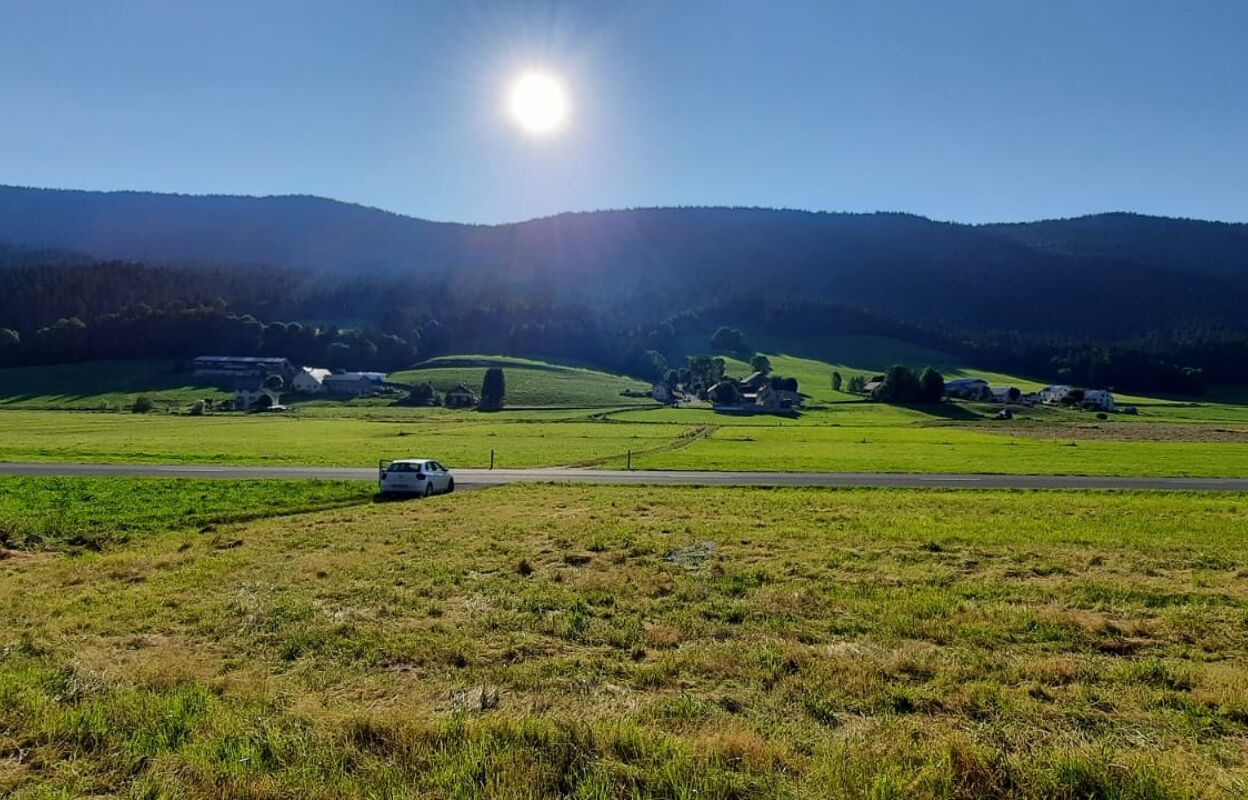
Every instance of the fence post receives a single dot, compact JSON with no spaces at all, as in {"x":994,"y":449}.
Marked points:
{"x":630,"y":459}
{"x":491,"y":458}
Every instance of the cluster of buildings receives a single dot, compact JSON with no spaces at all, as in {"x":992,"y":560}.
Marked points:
{"x":1058,"y":394}
{"x":249,"y":375}
{"x":754,"y":394}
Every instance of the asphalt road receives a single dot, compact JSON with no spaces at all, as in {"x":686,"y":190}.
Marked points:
{"x":474,"y":478}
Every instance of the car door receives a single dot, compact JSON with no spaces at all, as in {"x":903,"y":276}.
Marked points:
{"x":441,"y":477}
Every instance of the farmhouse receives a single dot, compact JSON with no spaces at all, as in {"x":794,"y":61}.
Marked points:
{"x":309,"y":380}
{"x":461,"y":397}
{"x":242,"y":366}
{"x":1006,"y":394}
{"x":968,"y":389}
{"x":1098,"y":399}
{"x":754,"y":395}
{"x":354,"y":384}
{"x":250,"y":394}
{"x":754,"y":381}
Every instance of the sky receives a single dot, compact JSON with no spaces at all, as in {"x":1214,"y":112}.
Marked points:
{"x":971,"y":111}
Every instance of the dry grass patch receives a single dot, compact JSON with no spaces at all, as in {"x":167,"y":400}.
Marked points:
{"x":722,"y":644}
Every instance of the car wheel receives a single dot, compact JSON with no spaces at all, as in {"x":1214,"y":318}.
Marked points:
{"x":450,"y":486}
{"x":428,"y":490}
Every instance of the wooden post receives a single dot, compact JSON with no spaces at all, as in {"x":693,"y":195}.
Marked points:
{"x":630,"y":459}
{"x":491,"y":458}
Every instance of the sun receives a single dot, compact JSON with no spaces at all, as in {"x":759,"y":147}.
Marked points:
{"x":538,"y":103}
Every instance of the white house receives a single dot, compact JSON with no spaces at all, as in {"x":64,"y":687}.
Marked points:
{"x":1099,"y":399}
{"x":309,"y":380}
{"x":1052,"y":395}
{"x":355,"y":384}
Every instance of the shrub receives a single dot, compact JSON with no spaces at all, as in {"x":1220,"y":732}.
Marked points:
{"x":142,"y":404}
{"x":196,"y":409}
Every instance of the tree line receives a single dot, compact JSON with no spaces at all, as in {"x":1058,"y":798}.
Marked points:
{"x":65,"y":311}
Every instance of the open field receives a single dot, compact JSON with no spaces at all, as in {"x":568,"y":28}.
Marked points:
{"x":846,"y":437}
{"x":272,"y":439}
{"x":640,"y":642}
{"x":529,"y":383}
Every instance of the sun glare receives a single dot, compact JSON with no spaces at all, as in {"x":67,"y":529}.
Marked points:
{"x":538,"y":103}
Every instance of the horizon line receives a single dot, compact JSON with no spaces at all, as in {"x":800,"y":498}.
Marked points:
{"x":615,"y":210}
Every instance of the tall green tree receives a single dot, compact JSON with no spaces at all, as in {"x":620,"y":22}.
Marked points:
{"x":837,"y":381}
{"x":493,"y":390}
{"x":933,"y":384}
{"x":760,"y":363}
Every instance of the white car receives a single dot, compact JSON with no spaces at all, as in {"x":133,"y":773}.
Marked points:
{"x":420,"y":476}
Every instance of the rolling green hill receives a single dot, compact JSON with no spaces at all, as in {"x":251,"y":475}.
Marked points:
{"x":530,"y":383}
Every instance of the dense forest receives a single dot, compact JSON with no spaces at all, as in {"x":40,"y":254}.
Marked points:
{"x":76,"y":312}
{"x":1114,"y":300}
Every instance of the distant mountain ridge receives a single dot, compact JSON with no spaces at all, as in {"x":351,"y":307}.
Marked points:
{"x":1108,"y":275}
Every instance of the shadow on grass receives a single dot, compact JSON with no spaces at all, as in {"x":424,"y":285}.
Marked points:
{"x":949,"y":411}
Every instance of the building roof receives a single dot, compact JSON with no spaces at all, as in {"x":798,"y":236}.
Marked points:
{"x":244,"y":359}
{"x":357,"y":376}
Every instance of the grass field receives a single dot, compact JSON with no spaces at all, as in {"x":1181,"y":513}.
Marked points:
{"x":529,"y":383}
{"x":534,"y":642}
{"x":272,"y":439}
{"x":92,"y":513}
{"x":846,"y":437}
{"x":838,"y":432}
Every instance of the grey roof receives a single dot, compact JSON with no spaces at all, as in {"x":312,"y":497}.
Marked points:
{"x":244,"y":359}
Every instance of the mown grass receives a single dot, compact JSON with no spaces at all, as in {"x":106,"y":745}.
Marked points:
{"x":458,"y":441}
{"x":530,"y":383}
{"x":944,"y":449}
{"x":644,"y":642}
{"x":92,"y":513}
{"x":855,"y":437}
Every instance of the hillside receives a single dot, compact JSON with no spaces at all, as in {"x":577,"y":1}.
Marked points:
{"x":530,"y":383}
{"x":1110,"y":276}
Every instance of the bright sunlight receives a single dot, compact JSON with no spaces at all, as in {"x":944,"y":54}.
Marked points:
{"x":538,"y":103}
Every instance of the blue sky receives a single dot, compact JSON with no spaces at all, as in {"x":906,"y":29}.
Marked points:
{"x":971,"y":111}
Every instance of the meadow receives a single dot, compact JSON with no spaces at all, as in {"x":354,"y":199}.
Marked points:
{"x":530,"y":383}
{"x":852,"y":437}
{"x":634,"y":642}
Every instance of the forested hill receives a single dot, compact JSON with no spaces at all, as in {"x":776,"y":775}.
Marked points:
{"x":1107,"y":276}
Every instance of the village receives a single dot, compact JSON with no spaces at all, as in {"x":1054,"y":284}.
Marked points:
{"x":259,"y":382}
